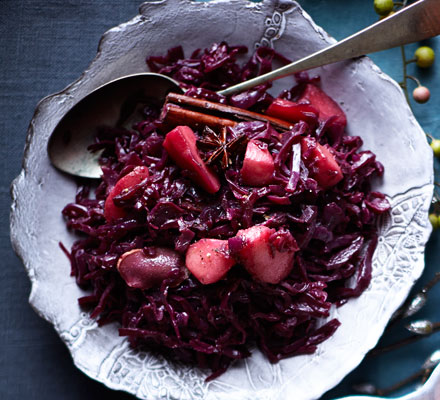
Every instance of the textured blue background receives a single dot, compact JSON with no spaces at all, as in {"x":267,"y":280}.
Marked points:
{"x":44,"y":46}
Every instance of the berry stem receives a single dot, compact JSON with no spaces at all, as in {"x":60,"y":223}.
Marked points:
{"x":401,"y":313}
{"x":404,"y":83}
{"x":431,"y":283}
{"x":414,"y":79}
{"x":408,"y":340}
{"x":430,"y":136}
{"x":404,"y":382}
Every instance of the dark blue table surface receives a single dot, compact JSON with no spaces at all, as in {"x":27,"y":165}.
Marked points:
{"x":45,"y":45}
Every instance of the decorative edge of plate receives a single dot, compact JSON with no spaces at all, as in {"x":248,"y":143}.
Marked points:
{"x":30,"y":134}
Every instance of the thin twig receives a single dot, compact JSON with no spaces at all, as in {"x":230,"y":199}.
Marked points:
{"x":414,"y":79}
{"x":402,"y":383}
{"x":400,"y":313}
{"x":405,"y":81}
{"x":434,"y":280}
{"x":380,"y":350}
{"x":410,"y":339}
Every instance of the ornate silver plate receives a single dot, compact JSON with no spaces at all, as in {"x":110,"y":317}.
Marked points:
{"x":376,"y":110}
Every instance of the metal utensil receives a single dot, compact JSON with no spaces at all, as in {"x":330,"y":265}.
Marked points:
{"x":105,"y":106}
{"x":418,"y":21}
{"x":70,"y":139}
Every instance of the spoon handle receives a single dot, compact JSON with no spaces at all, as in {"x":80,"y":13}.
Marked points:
{"x":418,"y":21}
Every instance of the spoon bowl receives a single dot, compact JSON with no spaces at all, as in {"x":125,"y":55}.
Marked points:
{"x":114,"y":104}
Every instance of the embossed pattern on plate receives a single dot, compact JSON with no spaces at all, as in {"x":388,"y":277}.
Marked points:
{"x":384,"y":123}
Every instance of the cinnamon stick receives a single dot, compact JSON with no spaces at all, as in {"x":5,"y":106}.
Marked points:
{"x":176,"y":115}
{"x":192,"y":109}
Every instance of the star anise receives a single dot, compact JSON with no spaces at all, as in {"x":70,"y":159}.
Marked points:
{"x":219,"y":147}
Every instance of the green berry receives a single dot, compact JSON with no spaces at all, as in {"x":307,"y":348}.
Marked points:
{"x":435,"y":221}
{"x":435,"y":145}
{"x":424,"y":56}
{"x":383,"y":7}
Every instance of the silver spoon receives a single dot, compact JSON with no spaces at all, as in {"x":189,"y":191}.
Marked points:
{"x":70,"y":139}
{"x":74,"y":133}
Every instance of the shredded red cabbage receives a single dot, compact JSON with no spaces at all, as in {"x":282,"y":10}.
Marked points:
{"x":213,"y":325}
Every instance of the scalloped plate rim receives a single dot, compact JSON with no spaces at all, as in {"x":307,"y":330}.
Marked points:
{"x":30,"y":135}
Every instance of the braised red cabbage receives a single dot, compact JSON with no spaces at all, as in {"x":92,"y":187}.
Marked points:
{"x":213,"y":325}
